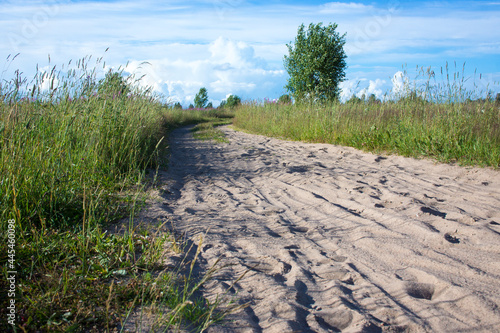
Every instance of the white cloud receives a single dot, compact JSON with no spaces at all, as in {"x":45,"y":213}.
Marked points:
{"x":349,"y":88}
{"x":375,"y":87}
{"x":237,"y":54}
{"x":344,"y":8}
{"x":223,"y":67}
{"x":399,"y":83}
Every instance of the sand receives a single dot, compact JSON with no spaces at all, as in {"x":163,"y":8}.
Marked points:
{"x":335,"y":239}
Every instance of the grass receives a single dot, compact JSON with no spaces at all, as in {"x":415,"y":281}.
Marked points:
{"x":441,"y":122}
{"x":209,"y":131}
{"x":74,"y":153}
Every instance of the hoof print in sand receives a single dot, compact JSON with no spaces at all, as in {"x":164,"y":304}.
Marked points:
{"x":420,"y":290}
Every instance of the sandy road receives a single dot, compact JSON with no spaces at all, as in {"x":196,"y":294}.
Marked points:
{"x":337,"y":239}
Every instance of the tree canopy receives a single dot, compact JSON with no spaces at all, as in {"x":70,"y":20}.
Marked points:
{"x":201,"y":98}
{"x":316,"y":63}
{"x":233,"y":101}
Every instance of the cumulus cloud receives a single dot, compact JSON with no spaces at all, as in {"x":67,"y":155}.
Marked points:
{"x":348,"y":89}
{"x":399,"y":82}
{"x":358,"y":88}
{"x":344,"y":8}
{"x":224,"y":67}
{"x":375,"y":87}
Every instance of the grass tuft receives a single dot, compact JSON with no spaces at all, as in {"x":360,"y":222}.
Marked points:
{"x":209,"y":131}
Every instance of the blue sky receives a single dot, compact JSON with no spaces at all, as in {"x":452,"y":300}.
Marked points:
{"x":237,"y":46}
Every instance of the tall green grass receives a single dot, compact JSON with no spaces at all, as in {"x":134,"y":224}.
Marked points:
{"x":440,"y":121}
{"x":74,"y":152}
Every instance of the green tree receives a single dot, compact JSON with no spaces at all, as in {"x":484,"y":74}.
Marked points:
{"x":233,"y":101}
{"x":201,"y":98}
{"x":177,"y":106}
{"x":210,"y":105}
{"x":191,"y":106}
{"x":316,"y":63}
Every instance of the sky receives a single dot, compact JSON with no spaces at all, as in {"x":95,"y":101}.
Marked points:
{"x":237,"y":46}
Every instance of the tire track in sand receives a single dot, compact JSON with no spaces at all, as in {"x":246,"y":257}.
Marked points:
{"x":336,"y":239}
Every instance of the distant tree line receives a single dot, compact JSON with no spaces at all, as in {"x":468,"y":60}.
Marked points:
{"x":201,"y":102}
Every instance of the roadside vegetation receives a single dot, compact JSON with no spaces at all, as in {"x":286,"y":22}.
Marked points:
{"x":434,"y":116}
{"x":75,"y":153}
{"x":440,"y":120}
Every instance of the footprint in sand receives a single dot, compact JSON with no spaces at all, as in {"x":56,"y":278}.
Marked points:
{"x":333,"y":273}
{"x":334,"y":320}
{"x":302,"y":297}
{"x":422,"y":285}
{"x":269,"y":266}
{"x":420,"y":290}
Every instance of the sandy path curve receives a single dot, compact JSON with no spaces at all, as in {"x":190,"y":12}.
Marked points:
{"x":337,"y":239}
